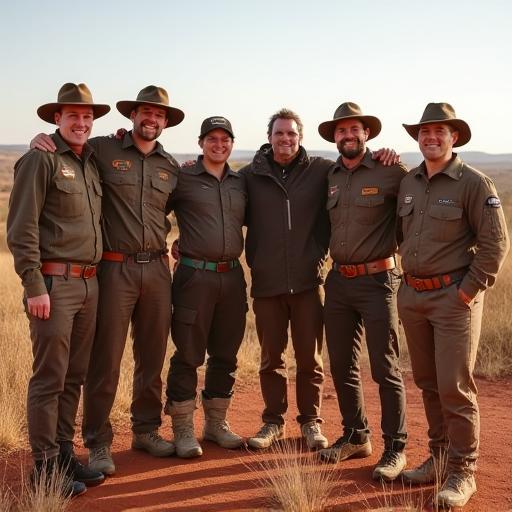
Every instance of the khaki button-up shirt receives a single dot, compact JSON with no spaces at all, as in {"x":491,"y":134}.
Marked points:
{"x":136,"y":192}
{"x":210,"y":213}
{"x":54,"y":212}
{"x":452,"y":221}
{"x":362,"y":210}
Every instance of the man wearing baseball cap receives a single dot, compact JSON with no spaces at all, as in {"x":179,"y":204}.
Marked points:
{"x":54,"y":233}
{"x":209,"y":290}
{"x":361,"y":288}
{"x":454,"y":242}
{"x":135,"y":283}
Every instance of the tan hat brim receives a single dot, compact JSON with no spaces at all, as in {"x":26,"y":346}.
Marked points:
{"x":47,"y":112}
{"x":326,"y":129}
{"x":174,"y":115}
{"x":458,"y":124}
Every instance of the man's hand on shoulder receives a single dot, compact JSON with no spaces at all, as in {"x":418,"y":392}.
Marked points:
{"x":39,"y":306}
{"x":386,"y":156}
{"x":43,"y":142}
{"x":188,"y":163}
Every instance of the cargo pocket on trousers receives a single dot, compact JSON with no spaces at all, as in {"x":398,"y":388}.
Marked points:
{"x":184,"y":315}
{"x":183,"y":319}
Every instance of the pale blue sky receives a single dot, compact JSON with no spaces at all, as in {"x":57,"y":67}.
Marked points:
{"x":245,"y":60}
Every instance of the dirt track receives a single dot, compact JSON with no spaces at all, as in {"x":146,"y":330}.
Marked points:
{"x":222,"y":481}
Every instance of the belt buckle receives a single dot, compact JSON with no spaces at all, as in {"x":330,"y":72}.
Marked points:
{"x":142,"y":257}
{"x":349,"y":271}
{"x":88,"y":271}
{"x":222,"y":266}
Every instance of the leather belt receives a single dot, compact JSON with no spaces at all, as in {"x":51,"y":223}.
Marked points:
{"x":214,"y":266}
{"x":363,"y":269}
{"x":422,"y":284}
{"x":51,"y":268}
{"x":138,"y":257}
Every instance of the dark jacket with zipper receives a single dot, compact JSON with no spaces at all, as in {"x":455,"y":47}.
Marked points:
{"x":287,"y":224}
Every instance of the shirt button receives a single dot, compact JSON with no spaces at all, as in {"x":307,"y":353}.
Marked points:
{"x":417,"y":234}
{"x":422,"y":212}
{"x":415,"y":254}
{"x":342,"y":243}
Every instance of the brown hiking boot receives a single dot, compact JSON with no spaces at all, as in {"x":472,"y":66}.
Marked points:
{"x":100,"y":459}
{"x":216,"y":428}
{"x":457,"y":490}
{"x":312,"y":433}
{"x":343,"y":449}
{"x":389,"y":466}
{"x":266,"y":436}
{"x":153,"y":443}
{"x":428,"y":472}
{"x":182,"y":418}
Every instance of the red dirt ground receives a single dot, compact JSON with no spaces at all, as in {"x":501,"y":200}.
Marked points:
{"x":229,"y":480}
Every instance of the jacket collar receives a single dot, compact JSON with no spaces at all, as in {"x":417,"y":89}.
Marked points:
{"x":262,"y":162}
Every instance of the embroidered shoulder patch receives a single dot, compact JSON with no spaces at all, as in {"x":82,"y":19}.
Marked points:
{"x":493,"y":202}
{"x":121,"y":165}
{"x":163,"y":176}
{"x":408,"y":199}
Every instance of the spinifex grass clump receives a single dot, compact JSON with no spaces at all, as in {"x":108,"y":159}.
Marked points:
{"x":298,"y":482}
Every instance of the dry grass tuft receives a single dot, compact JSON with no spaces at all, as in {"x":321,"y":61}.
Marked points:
{"x":495,"y":350}
{"x":15,"y":365}
{"x":296,"y":480}
{"x":45,"y":495}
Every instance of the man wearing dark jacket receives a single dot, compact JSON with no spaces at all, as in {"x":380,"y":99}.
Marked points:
{"x":287,"y":240}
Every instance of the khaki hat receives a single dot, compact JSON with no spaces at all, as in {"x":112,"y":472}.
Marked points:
{"x":212,"y":123}
{"x":156,"y":96}
{"x":349,"y":110}
{"x":71,"y":94}
{"x":441,"y":113}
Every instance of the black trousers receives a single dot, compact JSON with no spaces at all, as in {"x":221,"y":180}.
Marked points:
{"x":209,"y":310}
{"x":353,"y":306}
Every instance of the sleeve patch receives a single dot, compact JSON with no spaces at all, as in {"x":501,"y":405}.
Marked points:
{"x":493,"y":202}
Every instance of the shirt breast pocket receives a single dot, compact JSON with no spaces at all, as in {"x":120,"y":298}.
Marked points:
{"x":160,"y":190}
{"x":121,"y":184}
{"x":369,"y":209}
{"x":446,"y":222}
{"x":70,"y":198}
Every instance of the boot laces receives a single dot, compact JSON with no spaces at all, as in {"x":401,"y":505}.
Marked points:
{"x":312,"y":428}
{"x":389,"y":458}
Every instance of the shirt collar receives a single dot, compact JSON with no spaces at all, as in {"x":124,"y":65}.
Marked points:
{"x":367,"y":161}
{"x":453,"y":169}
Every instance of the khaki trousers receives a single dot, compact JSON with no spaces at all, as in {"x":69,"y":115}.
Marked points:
{"x":139,"y":293}
{"x":61,"y":346}
{"x":302,"y":312}
{"x":442,"y":335}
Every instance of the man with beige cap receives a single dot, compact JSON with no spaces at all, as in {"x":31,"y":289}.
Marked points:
{"x":361,"y":288}
{"x":454,"y":242}
{"x":54,"y":233}
{"x":135,"y":281}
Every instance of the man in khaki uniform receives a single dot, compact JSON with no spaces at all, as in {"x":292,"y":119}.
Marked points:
{"x":209,"y":290}
{"x":360,"y":290}
{"x":135,"y":281}
{"x":454,"y":242}
{"x":53,"y":231}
